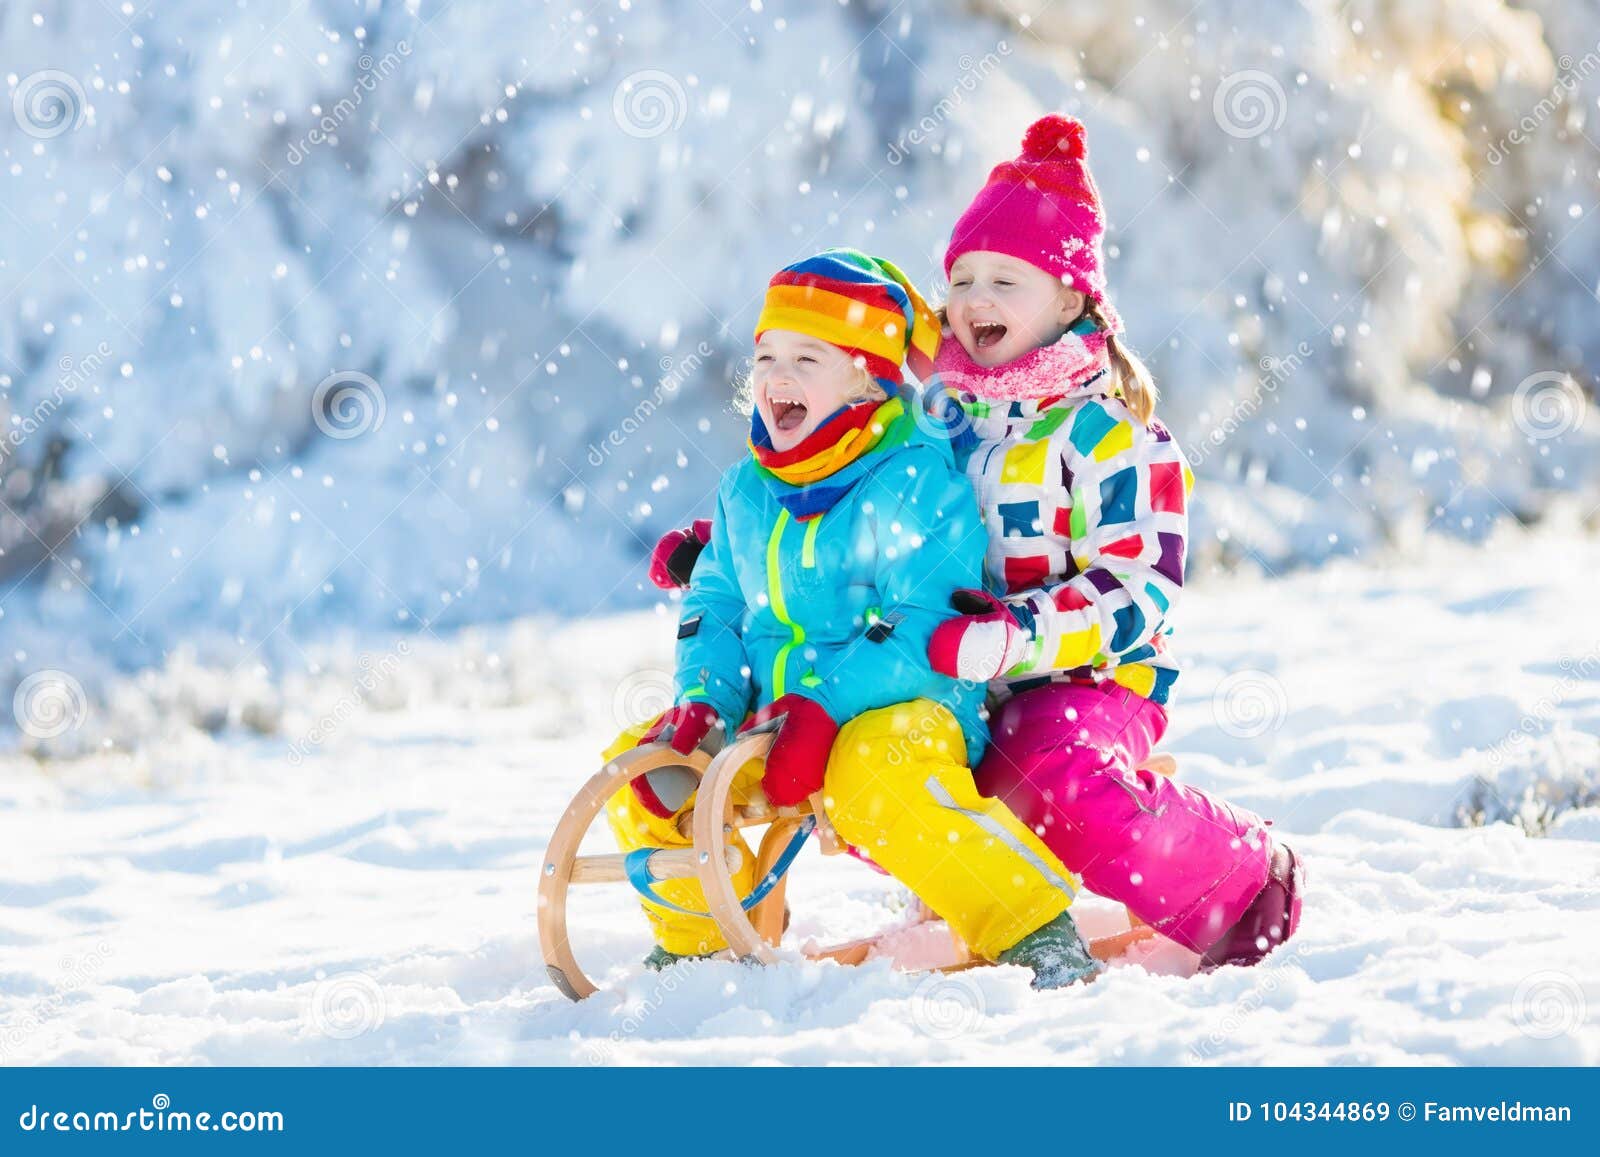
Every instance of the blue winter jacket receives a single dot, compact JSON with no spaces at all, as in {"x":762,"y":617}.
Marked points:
{"x":838,"y":608}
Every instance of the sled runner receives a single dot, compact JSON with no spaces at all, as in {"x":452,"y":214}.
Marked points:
{"x":753,"y":925}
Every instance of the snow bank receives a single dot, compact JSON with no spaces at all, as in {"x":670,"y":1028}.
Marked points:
{"x":217,"y":898}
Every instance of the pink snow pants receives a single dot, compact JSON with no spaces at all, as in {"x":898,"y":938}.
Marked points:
{"x":1065,"y":760}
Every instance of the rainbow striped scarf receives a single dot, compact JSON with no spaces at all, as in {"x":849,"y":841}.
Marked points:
{"x":809,"y":478}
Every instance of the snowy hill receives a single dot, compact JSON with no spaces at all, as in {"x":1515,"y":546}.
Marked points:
{"x":359,"y":887}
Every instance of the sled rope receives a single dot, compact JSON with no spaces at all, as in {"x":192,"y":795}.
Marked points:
{"x":636,"y":865}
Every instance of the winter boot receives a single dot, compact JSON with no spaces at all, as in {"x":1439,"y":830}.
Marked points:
{"x":1270,"y":919}
{"x":660,"y":958}
{"x":1056,"y":953}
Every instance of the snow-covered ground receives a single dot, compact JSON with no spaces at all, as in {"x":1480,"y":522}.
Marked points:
{"x":373,"y":902}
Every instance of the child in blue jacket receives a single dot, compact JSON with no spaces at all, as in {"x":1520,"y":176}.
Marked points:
{"x":836,"y":547}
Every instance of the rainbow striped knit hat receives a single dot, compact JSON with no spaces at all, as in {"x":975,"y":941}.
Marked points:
{"x":863,"y":305}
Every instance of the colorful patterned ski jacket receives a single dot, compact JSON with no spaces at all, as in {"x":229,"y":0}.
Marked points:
{"x":840,"y":607}
{"x":1086,"y":509}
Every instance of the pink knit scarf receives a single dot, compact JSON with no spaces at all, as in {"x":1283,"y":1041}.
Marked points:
{"x":1077,"y":360}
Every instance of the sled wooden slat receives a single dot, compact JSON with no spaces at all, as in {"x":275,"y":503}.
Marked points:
{"x":1107,"y":948}
{"x":829,"y":839}
{"x":712,"y":827}
{"x":853,"y":952}
{"x":666,"y":864}
{"x":767,"y":916}
{"x":555,"y":872}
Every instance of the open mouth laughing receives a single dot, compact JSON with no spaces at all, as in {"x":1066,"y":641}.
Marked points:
{"x":787,"y":413}
{"x":986,"y":334}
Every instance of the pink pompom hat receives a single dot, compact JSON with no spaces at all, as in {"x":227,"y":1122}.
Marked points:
{"x":1043,"y":208}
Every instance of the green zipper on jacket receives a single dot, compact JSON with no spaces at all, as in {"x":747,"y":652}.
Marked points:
{"x":797,"y":633}
{"x":808,"y":547}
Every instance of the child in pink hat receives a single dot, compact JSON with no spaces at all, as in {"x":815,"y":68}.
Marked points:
{"x":1085,"y":495}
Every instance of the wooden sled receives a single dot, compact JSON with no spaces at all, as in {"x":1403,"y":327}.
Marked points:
{"x":753,"y":930}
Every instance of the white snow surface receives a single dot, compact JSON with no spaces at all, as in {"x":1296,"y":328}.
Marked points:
{"x":209,"y":900}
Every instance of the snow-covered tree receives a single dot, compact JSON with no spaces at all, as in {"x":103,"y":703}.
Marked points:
{"x":375,"y":316}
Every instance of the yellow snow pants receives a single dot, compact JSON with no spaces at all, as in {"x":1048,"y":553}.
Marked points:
{"x":898,"y":787}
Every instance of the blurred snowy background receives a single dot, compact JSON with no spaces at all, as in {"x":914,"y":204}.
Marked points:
{"x":328,"y":325}
{"x":353,"y":354}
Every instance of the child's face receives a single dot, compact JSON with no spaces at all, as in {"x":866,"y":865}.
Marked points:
{"x":1000,"y":307}
{"x":797,"y":381}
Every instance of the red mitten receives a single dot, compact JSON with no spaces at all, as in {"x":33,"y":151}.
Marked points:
{"x":799,"y":757}
{"x":689,"y":724}
{"x":672,"y":561}
{"x":983,"y":644}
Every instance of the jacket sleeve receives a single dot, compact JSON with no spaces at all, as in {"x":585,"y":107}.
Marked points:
{"x":1128,"y":528}
{"x":711,"y":660}
{"x":929,"y":543}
